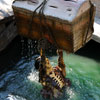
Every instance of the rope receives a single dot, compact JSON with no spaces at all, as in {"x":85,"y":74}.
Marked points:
{"x":41,"y":13}
{"x":50,"y":31}
{"x":33,"y":14}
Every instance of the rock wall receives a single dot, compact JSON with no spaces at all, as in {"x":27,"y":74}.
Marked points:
{"x":96,"y":34}
{"x":7,"y":27}
{"x":97,"y":3}
{"x":7,"y":34}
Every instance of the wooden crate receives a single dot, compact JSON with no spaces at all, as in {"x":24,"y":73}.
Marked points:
{"x":67,"y":23}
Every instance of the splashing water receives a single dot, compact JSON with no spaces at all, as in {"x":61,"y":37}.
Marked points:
{"x":21,"y":83}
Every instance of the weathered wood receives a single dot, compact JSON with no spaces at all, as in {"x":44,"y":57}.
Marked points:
{"x":7,"y":34}
{"x":67,"y":22}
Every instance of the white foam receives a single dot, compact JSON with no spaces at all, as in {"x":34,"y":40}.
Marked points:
{"x":65,"y":10}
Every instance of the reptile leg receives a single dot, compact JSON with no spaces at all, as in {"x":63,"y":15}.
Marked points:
{"x":61,"y":62}
{"x":63,"y":67}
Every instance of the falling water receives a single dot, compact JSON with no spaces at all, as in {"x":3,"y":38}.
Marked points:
{"x":21,"y":83}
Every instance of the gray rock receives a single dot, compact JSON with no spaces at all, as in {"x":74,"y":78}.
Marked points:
{"x":96,"y":34}
{"x":7,"y":34}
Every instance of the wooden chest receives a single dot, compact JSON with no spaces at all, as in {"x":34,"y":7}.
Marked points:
{"x":68,"y":24}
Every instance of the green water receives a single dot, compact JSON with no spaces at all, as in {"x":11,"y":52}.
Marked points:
{"x":21,"y":83}
{"x":85,"y":76}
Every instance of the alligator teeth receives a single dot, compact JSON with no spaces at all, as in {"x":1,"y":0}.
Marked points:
{"x":57,"y":78}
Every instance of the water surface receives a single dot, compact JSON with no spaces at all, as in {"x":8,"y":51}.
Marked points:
{"x":21,"y":82}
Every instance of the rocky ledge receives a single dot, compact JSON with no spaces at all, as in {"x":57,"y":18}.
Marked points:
{"x":96,"y":34}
